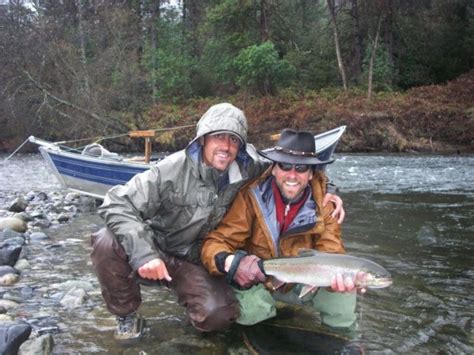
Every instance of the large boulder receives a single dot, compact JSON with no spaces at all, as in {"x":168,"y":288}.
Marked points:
{"x":12,"y":335}
{"x":9,"y":254}
{"x":16,"y":224}
{"x":18,"y":205}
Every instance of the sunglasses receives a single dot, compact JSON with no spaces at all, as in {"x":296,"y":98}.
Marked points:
{"x":299,"y":168}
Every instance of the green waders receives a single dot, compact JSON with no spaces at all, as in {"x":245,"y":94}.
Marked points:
{"x":257,"y":304}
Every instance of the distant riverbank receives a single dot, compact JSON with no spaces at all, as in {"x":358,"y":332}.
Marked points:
{"x":428,"y":119}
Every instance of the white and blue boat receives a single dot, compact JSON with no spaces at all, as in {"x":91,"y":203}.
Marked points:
{"x":94,"y":170}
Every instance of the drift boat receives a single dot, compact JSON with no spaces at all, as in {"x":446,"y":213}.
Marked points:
{"x":94,"y":170}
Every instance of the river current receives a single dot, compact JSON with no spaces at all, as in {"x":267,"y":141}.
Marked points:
{"x":413,"y":214}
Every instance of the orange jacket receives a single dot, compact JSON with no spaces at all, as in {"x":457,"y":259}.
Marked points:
{"x":251,"y":221}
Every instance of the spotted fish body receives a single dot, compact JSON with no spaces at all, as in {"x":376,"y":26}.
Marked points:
{"x":317,"y":269}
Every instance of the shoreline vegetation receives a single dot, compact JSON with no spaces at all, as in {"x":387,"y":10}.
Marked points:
{"x":425,"y":119}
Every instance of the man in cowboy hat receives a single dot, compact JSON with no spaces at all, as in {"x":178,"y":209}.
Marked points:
{"x":275,"y":215}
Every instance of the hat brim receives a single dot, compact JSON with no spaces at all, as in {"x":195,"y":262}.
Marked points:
{"x":280,"y":157}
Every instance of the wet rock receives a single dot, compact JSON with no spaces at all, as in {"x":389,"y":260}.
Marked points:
{"x":9,"y":279}
{"x":12,"y":335}
{"x":42,"y":196}
{"x":22,"y":265}
{"x":15,"y":224}
{"x":62,"y":218}
{"x":41,"y":223}
{"x":72,"y":284}
{"x":24,"y":216}
{"x":37,"y":214}
{"x":9,"y":254}
{"x":8,"y":275}
{"x":5,"y":318}
{"x":3,"y":310}
{"x":18,"y":205}
{"x":74,"y":298}
{"x":87,"y":204}
{"x":8,"y":304}
{"x":14,"y":295}
{"x":38,"y":236}
{"x":15,"y":241}
{"x":30,"y":196}
{"x":42,"y":345}
{"x":8,"y":234}
{"x":72,"y":196}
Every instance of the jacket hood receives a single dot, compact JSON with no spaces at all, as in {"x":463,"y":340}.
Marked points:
{"x":223,"y":117}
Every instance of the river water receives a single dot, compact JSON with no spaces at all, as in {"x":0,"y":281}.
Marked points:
{"x":412,"y":214}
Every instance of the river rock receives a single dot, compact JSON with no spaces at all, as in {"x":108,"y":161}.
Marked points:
{"x":8,"y":304}
{"x":15,"y":241}
{"x":8,"y":234}
{"x":41,"y":223}
{"x":42,"y":345}
{"x":16,"y":224}
{"x":24,"y":216}
{"x":72,"y":284}
{"x":5,"y":318}
{"x":62,"y":218}
{"x":41,"y":196}
{"x":18,"y":205}
{"x":14,"y":295}
{"x":8,"y":275}
{"x":38,"y":236}
{"x":12,"y":335}
{"x":74,"y":298}
{"x":9,"y":254}
{"x":22,"y":265}
{"x":87,"y":204}
{"x":37,"y":214}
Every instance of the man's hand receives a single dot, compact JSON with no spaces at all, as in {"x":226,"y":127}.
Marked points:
{"x":155,"y":269}
{"x":338,"y":212}
{"x":248,"y":271}
{"x":342,"y":283}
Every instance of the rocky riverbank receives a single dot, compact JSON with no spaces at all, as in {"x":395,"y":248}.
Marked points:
{"x":24,"y":224}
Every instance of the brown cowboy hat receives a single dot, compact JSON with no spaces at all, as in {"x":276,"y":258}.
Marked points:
{"x":294,"y":148}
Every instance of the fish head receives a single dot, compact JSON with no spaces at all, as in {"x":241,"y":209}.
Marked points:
{"x":372,"y":280}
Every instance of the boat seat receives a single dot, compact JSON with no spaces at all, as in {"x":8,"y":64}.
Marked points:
{"x":97,"y":150}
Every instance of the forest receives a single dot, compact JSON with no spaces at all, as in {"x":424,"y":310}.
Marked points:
{"x":398,"y":73}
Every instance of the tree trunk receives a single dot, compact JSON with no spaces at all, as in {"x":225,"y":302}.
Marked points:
{"x":155,"y":17}
{"x":85,"y":74}
{"x":372,"y":58}
{"x":264,"y":35}
{"x":357,"y":45}
{"x":332,"y":13}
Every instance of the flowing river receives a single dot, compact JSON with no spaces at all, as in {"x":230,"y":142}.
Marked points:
{"x":413,"y":214}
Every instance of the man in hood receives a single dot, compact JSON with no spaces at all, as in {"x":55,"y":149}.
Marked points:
{"x":157,"y":221}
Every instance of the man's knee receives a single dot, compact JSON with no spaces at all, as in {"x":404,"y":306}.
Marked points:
{"x":337,"y":309}
{"x":256,"y":305}
{"x":216,"y":318}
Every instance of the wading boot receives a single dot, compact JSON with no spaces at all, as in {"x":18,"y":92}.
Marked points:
{"x":129,"y":327}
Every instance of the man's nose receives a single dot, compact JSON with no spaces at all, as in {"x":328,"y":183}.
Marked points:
{"x":225,"y":143}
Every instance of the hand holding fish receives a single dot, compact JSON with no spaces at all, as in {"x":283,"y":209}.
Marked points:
{"x":245,"y":270}
{"x":348,"y":283}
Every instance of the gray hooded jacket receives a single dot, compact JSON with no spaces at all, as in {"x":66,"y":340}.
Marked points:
{"x":171,"y":207}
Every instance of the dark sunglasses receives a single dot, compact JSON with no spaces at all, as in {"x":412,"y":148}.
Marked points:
{"x":299,"y":168}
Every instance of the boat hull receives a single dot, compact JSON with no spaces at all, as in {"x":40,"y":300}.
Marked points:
{"x":88,"y":175}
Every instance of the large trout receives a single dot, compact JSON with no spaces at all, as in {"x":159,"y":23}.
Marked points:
{"x":316,"y":269}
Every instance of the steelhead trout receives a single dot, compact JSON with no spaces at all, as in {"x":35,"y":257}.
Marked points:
{"x":316,"y":269}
